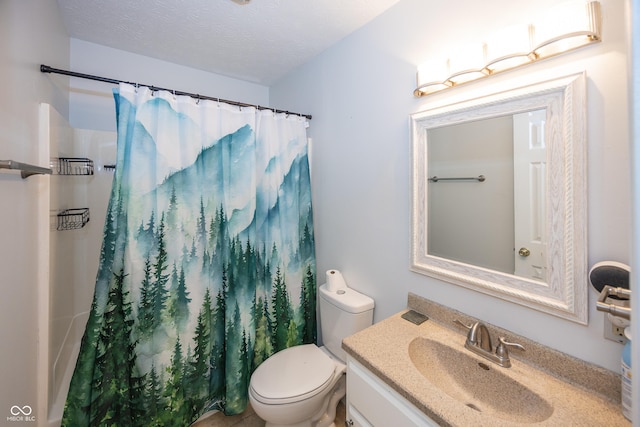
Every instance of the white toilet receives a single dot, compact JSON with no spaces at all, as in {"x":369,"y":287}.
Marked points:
{"x":302,"y":385}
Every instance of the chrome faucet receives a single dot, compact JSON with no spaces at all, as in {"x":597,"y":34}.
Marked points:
{"x":479,"y":342}
{"x":479,"y":337}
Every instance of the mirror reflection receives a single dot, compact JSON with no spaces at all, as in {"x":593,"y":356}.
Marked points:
{"x":486,"y":195}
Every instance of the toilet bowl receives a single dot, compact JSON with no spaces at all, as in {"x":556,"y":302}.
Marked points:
{"x":298,"y":387}
{"x":301,"y":386}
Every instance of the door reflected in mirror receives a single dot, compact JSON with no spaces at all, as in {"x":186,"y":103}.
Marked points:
{"x":497,"y":222}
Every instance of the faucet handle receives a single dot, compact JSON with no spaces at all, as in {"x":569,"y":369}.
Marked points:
{"x":501,"y":349}
{"x":471,"y":336}
{"x":462,"y":324}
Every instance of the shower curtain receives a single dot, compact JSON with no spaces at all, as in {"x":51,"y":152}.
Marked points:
{"x":207,"y":265}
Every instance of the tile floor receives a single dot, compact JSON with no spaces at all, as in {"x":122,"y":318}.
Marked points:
{"x":249,"y":419}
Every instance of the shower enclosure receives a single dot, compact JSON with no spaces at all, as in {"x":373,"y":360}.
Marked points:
{"x":71,"y":213}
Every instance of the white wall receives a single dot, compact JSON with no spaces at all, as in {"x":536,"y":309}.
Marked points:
{"x":31,"y":32}
{"x":91,"y":103}
{"x":360,"y":95}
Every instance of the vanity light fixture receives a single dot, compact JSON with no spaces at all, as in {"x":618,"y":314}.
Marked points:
{"x":468,"y":63}
{"x":435,"y":72}
{"x":508,"y":48}
{"x":561,"y":29}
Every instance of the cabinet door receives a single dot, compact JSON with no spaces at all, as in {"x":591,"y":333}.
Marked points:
{"x":370,"y":402}
{"x":355,"y":418}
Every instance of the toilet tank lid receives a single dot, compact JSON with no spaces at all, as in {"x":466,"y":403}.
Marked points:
{"x":347,"y":299}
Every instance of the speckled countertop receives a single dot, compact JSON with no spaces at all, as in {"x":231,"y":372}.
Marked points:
{"x":575,"y":393}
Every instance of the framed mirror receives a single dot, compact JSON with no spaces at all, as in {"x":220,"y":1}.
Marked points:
{"x":500,"y":195}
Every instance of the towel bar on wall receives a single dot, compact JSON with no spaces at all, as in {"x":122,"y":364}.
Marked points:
{"x":480,"y":178}
{"x":25,"y":169}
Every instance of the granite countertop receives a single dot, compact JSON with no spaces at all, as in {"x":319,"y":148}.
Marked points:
{"x":580,"y":394}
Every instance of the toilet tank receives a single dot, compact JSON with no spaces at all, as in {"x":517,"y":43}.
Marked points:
{"x":343,"y":313}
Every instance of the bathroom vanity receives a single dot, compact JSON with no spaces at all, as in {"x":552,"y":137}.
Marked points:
{"x":404,"y":374}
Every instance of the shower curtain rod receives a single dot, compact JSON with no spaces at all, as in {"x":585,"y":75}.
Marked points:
{"x":48,"y":69}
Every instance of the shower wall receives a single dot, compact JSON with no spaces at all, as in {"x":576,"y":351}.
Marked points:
{"x":73,"y":253}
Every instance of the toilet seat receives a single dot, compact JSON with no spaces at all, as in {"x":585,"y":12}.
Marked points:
{"x":291,"y":375}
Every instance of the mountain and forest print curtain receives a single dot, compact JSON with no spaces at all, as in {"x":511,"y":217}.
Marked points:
{"x":207,"y":265}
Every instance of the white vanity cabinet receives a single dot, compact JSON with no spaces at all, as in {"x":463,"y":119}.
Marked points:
{"x":372,"y":403}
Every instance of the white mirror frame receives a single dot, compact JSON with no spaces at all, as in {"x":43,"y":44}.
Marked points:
{"x":565,"y":294}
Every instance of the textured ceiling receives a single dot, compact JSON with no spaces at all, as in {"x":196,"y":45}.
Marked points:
{"x":260,"y":41}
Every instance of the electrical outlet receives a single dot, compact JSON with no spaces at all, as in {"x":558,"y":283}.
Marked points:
{"x":613,"y":332}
